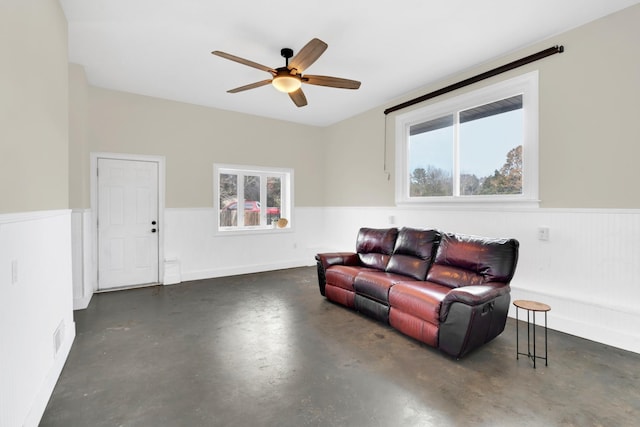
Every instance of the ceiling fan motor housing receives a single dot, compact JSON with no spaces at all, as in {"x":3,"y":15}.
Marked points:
{"x":286,"y":52}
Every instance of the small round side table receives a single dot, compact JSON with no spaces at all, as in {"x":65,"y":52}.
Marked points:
{"x":532,"y":307}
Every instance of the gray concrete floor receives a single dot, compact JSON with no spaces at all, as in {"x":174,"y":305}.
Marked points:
{"x":267,"y":350}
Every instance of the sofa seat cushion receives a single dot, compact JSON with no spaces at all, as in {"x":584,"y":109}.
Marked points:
{"x":342,"y":276}
{"x":372,"y":308}
{"x":421,"y":299}
{"x":376,"y":284}
{"x":340,"y":296}
{"x":410,"y":325}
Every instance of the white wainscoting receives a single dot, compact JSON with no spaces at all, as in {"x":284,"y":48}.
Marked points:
{"x":588,"y":271}
{"x":84,"y":281}
{"x":36,"y":311}
{"x":191,"y":242}
{"x":194,"y":251}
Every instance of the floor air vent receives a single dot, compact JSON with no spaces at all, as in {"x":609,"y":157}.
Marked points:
{"x":58,"y":337}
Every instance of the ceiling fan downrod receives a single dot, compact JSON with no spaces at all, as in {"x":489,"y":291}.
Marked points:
{"x":286,"y":53}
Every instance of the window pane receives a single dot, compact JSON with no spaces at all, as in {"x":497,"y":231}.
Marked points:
{"x":431,"y":158}
{"x":228,"y":200}
{"x":274,"y":199}
{"x":490,"y":139}
{"x":251,"y":200}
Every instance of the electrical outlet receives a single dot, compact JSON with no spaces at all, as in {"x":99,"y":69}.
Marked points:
{"x":14,"y":271}
{"x":543,"y":233}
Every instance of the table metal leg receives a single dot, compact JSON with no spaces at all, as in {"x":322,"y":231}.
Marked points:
{"x":534,"y":340}
{"x":528,"y":335}
{"x":517,"y":337}
{"x":546,"y":357}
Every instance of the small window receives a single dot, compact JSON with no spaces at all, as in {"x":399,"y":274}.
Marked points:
{"x":478,"y":147}
{"x":252,"y":198}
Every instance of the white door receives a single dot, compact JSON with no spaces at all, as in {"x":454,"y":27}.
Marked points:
{"x":127,"y":223}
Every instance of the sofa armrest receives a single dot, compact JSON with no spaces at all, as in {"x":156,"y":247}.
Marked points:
{"x":326,"y":260}
{"x":337,"y":258}
{"x":471,"y":316}
{"x":473,"y":296}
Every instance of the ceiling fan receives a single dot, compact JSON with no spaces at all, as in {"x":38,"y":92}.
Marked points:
{"x":289,"y":78}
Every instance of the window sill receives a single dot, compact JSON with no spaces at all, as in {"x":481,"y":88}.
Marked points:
{"x":492,"y":203}
{"x":252,"y":231}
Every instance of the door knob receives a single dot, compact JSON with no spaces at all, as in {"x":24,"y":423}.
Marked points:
{"x":153,"y":230}
{"x":153,"y":223}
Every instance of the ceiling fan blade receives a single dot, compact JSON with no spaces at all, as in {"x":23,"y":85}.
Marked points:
{"x":244,"y":61}
{"x":308,"y":55}
{"x":250,"y":86}
{"x":298,"y":98}
{"x":331,"y":82}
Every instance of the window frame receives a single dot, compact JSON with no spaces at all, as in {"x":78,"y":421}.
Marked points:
{"x":525,"y":84}
{"x":286,"y":202}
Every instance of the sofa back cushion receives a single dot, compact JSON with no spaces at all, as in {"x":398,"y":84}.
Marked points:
{"x":469,"y":260}
{"x":413,"y":252}
{"x":374,"y":246}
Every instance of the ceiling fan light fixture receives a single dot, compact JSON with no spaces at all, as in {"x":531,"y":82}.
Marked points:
{"x":286,"y":83}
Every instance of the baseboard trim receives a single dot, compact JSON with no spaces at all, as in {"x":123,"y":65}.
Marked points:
{"x":244,"y":269}
{"x":584,"y":319}
{"x":81,"y":303}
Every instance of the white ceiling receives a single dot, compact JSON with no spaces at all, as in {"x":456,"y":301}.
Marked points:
{"x":162,"y":48}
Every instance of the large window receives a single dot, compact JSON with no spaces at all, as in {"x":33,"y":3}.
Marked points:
{"x":252,"y":197}
{"x":478,"y":147}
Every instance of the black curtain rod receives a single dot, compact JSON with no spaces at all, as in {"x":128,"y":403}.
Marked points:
{"x":471,"y":80}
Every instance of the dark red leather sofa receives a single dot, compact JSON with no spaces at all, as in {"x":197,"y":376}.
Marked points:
{"x":447,"y":290}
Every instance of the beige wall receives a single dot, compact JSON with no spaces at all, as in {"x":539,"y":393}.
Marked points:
{"x":33,"y":106}
{"x":355,"y":162}
{"x":589,"y":133}
{"x":193,"y":138}
{"x":589,"y":127}
{"x":590,"y":102}
{"x":78,"y":138}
